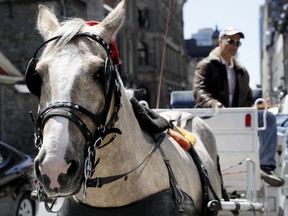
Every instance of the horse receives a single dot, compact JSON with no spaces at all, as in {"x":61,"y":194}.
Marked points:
{"x":93,"y":150}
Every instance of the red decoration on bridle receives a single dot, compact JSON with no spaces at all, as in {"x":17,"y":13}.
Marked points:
{"x":113,"y":46}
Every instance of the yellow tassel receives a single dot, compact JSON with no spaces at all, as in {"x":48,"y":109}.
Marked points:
{"x":189,"y":136}
{"x":180,"y":139}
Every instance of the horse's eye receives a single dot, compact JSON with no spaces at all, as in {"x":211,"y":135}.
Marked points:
{"x":99,"y":74}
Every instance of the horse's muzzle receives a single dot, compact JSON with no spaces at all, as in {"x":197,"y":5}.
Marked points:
{"x":58,"y":177}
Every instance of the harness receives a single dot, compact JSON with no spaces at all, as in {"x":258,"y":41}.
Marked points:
{"x":150,"y":121}
{"x":103,"y":128}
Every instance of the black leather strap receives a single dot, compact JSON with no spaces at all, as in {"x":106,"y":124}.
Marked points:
{"x":173,"y":182}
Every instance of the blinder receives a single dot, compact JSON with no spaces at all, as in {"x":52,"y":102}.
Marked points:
{"x":34,"y":81}
{"x":107,"y":75}
{"x":32,"y":78}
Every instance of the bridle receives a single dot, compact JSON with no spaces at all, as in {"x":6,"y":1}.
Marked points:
{"x":64,"y":109}
{"x":69,"y":110}
{"x":33,"y":81}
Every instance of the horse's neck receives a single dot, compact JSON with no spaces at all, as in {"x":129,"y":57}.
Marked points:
{"x":122,"y":155}
{"x":127,"y":149}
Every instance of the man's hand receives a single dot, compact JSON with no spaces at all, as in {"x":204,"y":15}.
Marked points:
{"x":219,"y":105}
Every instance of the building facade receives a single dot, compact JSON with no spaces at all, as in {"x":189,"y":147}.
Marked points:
{"x":18,"y":42}
{"x":141,"y":44}
{"x":203,"y":37}
{"x":153,"y":64}
{"x":202,"y":43}
{"x":274,"y":44}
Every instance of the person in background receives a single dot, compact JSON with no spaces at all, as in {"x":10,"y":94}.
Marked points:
{"x":222,"y":81}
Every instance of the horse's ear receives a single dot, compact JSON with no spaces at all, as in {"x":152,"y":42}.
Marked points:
{"x":47,"y":22}
{"x":113,"y":21}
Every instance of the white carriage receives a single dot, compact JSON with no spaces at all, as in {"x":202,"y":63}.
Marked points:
{"x":236,"y":133}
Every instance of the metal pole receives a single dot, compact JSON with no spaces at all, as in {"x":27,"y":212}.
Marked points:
{"x":163,"y":55}
{"x":240,"y":205}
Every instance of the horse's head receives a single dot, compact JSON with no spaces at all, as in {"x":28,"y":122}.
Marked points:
{"x":75,"y":81}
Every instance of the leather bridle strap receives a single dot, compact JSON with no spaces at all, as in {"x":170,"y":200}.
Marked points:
{"x":206,"y":184}
{"x":69,"y":115}
{"x":67,"y":105}
{"x":63,"y":109}
{"x":85,"y":34}
{"x":173,"y":182}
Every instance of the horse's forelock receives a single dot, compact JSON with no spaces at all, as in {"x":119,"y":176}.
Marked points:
{"x":69,"y":28}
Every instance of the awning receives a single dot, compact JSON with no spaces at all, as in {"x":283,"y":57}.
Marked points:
{"x":9,"y":74}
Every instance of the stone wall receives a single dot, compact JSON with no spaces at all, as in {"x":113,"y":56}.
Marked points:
{"x":18,"y":41}
{"x":16,"y":125}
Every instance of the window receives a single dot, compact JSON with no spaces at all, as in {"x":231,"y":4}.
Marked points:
{"x":142,"y":53}
{"x":143,"y":17}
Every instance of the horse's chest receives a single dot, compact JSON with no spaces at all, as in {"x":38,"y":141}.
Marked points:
{"x":160,"y":204}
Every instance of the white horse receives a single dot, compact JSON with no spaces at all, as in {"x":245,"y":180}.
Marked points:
{"x":92,"y":149}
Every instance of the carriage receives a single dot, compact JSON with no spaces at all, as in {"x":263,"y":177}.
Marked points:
{"x":236,"y":133}
{"x":106,"y":154}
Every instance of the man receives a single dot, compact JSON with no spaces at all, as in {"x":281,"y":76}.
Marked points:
{"x":221,"y":81}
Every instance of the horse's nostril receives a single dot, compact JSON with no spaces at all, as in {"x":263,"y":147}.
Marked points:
{"x":73,"y":168}
{"x":63,"y":179}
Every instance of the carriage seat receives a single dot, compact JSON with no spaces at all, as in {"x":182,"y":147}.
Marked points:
{"x":182,"y":99}
{"x":256,"y":93}
{"x":185,"y":99}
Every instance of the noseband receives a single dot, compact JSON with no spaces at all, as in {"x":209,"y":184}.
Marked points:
{"x":64,"y":109}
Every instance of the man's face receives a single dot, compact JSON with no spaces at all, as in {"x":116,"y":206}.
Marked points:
{"x":229,"y":45}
